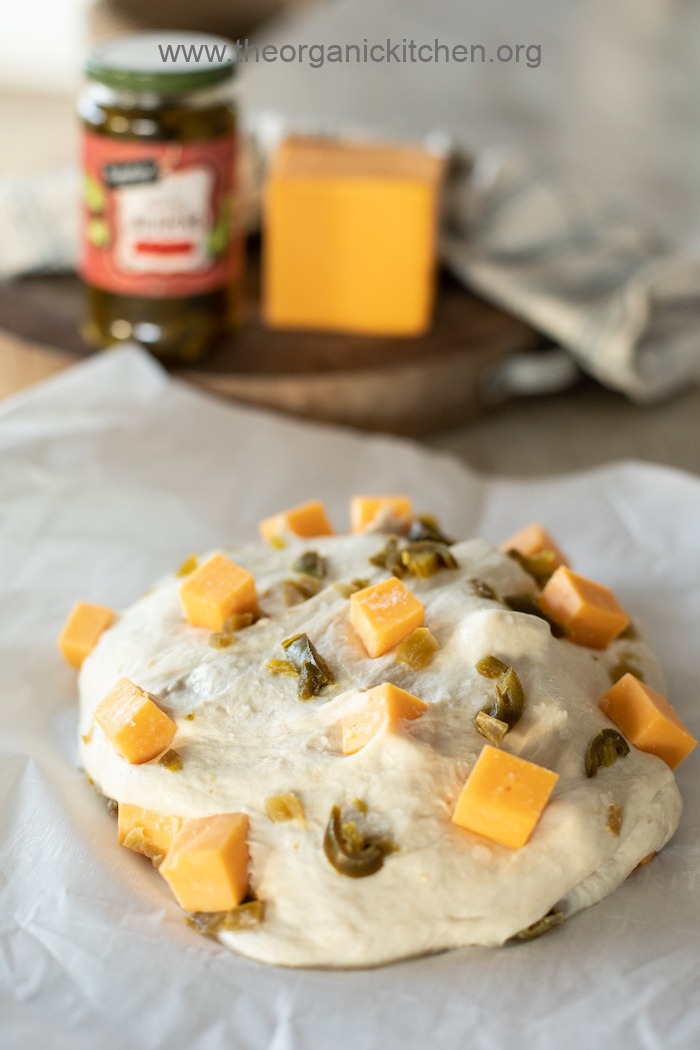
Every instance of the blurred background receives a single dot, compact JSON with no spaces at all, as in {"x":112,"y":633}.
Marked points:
{"x":612,"y":105}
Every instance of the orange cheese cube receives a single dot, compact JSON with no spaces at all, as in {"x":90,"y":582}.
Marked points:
{"x":215,"y":590}
{"x":350,"y":237}
{"x":503,"y":797}
{"x":82,"y":629}
{"x":134,"y":723}
{"x":647,"y":719}
{"x":207,"y":864}
{"x":367,"y":512}
{"x":532,"y":540}
{"x":158,"y":830}
{"x":588,"y":611}
{"x":386,"y":706}
{"x":307,"y":520}
{"x":384,"y":614}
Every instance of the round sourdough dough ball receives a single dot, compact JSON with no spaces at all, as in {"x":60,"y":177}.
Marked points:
{"x":251,"y":738}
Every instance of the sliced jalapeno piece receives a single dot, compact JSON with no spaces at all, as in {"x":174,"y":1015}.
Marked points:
{"x":418,"y":650}
{"x":540,"y":566}
{"x":491,"y":667}
{"x":188,"y":566}
{"x":171,"y":760}
{"x":209,"y":923}
{"x":314,"y":672}
{"x":604,"y":750}
{"x":347,"y":850}
{"x":222,"y":640}
{"x":426,"y":557}
{"x":281,"y":808}
{"x":543,"y":925}
{"x":492,"y":728}
{"x":237,"y":621}
{"x":509,"y":704}
{"x":310,"y":563}
{"x":426,"y":527}
{"x":389,"y":557}
{"x":350,"y":587}
{"x":282,"y":667}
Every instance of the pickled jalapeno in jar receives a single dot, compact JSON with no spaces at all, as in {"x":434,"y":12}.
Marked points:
{"x":161,"y":253}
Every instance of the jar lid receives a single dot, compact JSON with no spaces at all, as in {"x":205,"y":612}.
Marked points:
{"x":162,"y":63}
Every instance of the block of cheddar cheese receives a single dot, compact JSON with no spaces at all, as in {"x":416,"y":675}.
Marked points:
{"x":386,"y":707}
{"x":367,"y":512}
{"x":217,"y":589}
{"x":306,"y":520}
{"x":590,"y":613}
{"x":134,"y":723}
{"x":82,"y":629}
{"x":647,"y":719}
{"x":350,"y":237}
{"x":385,"y":613}
{"x":157,"y":830}
{"x":504,"y":797}
{"x":533,"y":540}
{"x":207,"y":863}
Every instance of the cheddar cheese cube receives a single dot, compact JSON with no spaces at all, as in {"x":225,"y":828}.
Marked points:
{"x":207,"y":864}
{"x":157,"y":830}
{"x":215,"y":590}
{"x":135,"y":724}
{"x":307,"y":520}
{"x":589,"y":612}
{"x":532,"y":540}
{"x":386,"y":707}
{"x":504,"y":797}
{"x":383,"y":614}
{"x":367,"y":512}
{"x":350,"y":237}
{"x":647,"y":720}
{"x":82,"y":629}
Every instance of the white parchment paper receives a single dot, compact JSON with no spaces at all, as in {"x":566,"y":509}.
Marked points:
{"x":110,"y":475}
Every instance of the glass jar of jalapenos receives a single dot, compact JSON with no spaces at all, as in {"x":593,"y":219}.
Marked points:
{"x":161,"y":256}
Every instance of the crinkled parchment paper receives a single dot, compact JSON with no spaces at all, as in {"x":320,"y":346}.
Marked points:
{"x":110,"y":475}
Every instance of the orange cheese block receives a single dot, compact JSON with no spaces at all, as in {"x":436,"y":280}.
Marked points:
{"x":647,"y":720}
{"x":82,"y":629}
{"x":215,"y":590}
{"x":158,"y":830}
{"x":386,"y":706}
{"x":307,"y":520}
{"x":588,"y":611}
{"x":368,"y":512}
{"x":384,"y":614}
{"x":504,"y":797}
{"x":207,"y":864}
{"x":134,"y":723}
{"x":350,"y":237}
{"x":532,"y":540}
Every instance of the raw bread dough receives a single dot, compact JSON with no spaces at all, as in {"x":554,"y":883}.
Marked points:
{"x":251,"y":738}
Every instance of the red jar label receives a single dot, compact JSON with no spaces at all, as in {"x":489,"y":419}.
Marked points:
{"x":157,"y":217}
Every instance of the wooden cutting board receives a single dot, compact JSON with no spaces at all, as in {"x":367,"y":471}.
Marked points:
{"x":407,"y":386}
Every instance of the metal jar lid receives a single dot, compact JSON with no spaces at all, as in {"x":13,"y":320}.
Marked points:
{"x":163,"y":63}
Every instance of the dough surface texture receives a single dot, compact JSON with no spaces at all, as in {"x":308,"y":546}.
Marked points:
{"x":251,"y":738}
